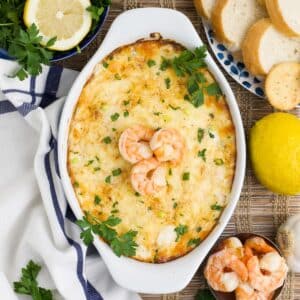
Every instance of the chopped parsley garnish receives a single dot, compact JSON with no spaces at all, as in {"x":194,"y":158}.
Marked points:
{"x":28,"y":284}
{"x":157,"y":113}
{"x":175,"y":204}
{"x":198,"y":229}
{"x":96,"y":169}
{"x":126,"y":102}
{"x":174,"y":107}
{"x":188,"y":64}
{"x":180,"y":231}
{"x":114,"y":117}
{"x":126,"y":113}
{"x":105,"y":64}
{"x":114,"y":211}
{"x":186,"y":176}
{"x":121,"y":244}
{"x":137,"y":194}
{"x":89,"y":162}
{"x":97,"y":200}
{"x":108,"y":179}
{"x":114,"y":129}
{"x":211,"y":135}
{"x":151,"y":63}
{"x":212,"y":115}
{"x":202,"y":154}
{"x":168,"y":82}
{"x":76,"y":184}
{"x":170,"y":172}
{"x":106,"y":140}
{"x":216,"y":207}
{"x":200,"y":134}
{"x":219,"y":161}
{"x":117,"y":76}
{"x":213,"y":89}
{"x":194,"y":242}
{"x":116,"y":172}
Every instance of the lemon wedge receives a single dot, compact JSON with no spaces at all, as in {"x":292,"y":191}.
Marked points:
{"x":67,"y":20}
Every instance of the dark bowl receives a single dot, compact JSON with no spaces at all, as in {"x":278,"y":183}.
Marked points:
{"x":83,"y":44}
{"x":243,"y":237}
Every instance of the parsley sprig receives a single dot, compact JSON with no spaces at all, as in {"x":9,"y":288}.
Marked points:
{"x":188,"y":64}
{"x":123,"y":244}
{"x":96,"y":9}
{"x":28,"y":284}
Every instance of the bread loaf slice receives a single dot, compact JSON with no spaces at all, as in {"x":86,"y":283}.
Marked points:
{"x":232,"y":18}
{"x":204,"y":7}
{"x":285,"y":15}
{"x":264,"y":46}
{"x":283,"y":85}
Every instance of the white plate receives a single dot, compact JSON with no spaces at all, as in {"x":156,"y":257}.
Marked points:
{"x":127,"y":28}
{"x":233,"y":66}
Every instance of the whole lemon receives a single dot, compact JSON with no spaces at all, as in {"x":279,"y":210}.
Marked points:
{"x":275,"y":152}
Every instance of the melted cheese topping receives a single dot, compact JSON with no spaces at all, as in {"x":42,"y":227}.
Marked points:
{"x":129,"y":88}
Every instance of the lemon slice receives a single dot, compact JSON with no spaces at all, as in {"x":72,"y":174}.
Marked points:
{"x":67,"y":20}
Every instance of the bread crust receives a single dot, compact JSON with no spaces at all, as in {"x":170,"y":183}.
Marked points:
{"x":250,"y":46}
{"x":217,"y":24}
{"x":278,"y":19}
{"x":200,"y":9}
{"x":283,"y":95}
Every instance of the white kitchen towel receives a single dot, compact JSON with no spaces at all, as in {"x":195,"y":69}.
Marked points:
{"x":35,"y":220}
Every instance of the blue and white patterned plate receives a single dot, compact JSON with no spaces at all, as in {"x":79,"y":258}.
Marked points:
{"x":235,"y":68}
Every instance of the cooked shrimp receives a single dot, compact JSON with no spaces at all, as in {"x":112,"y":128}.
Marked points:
{"x":269,"y":281}
{"x":246,"y":292}
{"x":168,"y":145}
{"x":256,"y":245}
{"x":148,"y":176}
{"x":216,"y":275}
{"x":133,"y":143}
{"x":234,"y":245}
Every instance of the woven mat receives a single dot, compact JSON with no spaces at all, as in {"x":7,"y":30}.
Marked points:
{"x":259,"y":210}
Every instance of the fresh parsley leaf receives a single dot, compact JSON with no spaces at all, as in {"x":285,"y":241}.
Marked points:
{"x":186,"y":176}
{"x":216,"y":207}
{"x":174,"y":107}
{"x":194,"y":242}
{"x":106,"y":140}
{"x":213,"y":89}
{"x":211,"y":135}
{"x":204,"y":295}
{"x":180,"y":231}
{"x":165,"y":63}
{"x":202,"y":154}
{"x":219,"y":161}
{"x":126,"y":102}
{"x":126,"y":113}
{"x":114,"y":117}
{"x":151,"y":63}
{"x":125,"y":244}
{"x":28,"y":284}
{"x":97,"y":200}
{"x":168,"y":82}
{"x":116,"y":172}
{"x":108,"y":179}
{"x":200,"y":134}
{"x":121,"y":245}
{"x":105,"y":64}
{"x":117,"y":77}
{"x":96,"y":10}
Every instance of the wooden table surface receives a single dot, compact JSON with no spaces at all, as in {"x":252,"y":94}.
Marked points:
{"x":259,"y":210}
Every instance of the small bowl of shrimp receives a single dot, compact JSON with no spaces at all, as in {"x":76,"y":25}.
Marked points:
{"x":246,"y":267}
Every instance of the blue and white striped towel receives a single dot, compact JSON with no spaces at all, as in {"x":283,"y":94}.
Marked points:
{"x":36,"y":222}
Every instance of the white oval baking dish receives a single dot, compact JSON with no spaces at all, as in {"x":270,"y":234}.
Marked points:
{"x":127,"y":28}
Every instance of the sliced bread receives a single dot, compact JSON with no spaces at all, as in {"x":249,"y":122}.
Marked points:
{"x":264,"y":46}
{"x":232,"y":18}
{"x":285,"y":15}
{"x":283,"y":85}
{"x":262,"y":2}
{"x":204,"y":7}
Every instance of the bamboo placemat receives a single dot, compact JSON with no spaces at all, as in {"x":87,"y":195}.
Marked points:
{"x":259,"y":210}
